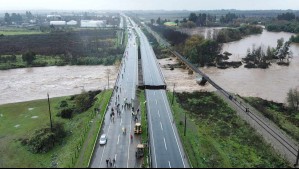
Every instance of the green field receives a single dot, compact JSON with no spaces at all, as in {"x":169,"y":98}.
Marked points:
{"x":19,"y":32}
{"x":20,"y":120}
{"x":217,"y":137}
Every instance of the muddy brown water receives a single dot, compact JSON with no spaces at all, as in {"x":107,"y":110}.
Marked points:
{"x":271,"y":84}
{"x":26,"y":84}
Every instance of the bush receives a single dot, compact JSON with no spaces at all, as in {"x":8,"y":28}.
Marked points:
{"x":67,"y":113}
{"x":43,"y":140}
{"x":63,"y":104}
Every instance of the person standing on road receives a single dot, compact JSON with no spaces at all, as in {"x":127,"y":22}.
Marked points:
{"x":107,"y":162}
{"x":113,"y":162}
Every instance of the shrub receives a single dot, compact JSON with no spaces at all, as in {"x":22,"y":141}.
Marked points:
{"x":67,"y":113}
{"x":44,"y":139}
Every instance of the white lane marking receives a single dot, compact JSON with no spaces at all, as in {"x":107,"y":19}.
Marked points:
{"x":165,"y":144}
{"x":159,"y":113}
{"x":118,"y":139}
{"x":156,"y":102}
{"x":155,"y":93}
{"x":161,"y":125}
{"x":169,"y":164}
{"x":173,"y":130}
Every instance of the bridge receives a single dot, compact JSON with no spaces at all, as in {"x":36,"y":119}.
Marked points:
{"x":272,"y":134}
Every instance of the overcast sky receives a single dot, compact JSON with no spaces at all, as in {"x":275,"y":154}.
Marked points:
{"x":148,"y":4}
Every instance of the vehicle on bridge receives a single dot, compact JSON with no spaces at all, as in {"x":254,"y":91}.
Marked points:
{"x":103,"y":139}
{"x":139,"y":151}
{"x":138,"y":129}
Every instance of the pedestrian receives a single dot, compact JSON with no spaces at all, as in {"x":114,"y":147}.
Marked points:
{"x":113,"y":162}
{"x":131,"y":137}
{"x":138,"y":111}
{"x":107,"y":162}
{"x":110,"y":162}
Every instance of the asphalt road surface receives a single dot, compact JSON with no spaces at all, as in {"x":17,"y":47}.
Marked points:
{"x":166,"y":148}
{"x":119,"y":145}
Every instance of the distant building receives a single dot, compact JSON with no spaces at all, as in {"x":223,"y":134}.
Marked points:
{"x":72,"y":23}
{"x":53,"y":17}
{"x":93,"y":23}
{"x":170,"y":24}
{"x":58,"y":23}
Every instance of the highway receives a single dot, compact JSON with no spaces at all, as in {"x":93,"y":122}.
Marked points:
{"x":166,"y":148}
{"x":119,"y":145}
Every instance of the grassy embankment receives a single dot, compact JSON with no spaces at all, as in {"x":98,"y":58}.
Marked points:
{"x":282,"y":116}
{"x":20,"y":120}
{"x":217,"y":137}
{"x":144,"y":136}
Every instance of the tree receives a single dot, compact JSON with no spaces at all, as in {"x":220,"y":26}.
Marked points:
{"x":152,"y":21}
{"x":7,"y":18}
{"x":193,"y":17}
{"x":29,"y":57}
{"x":286,"y":16}
{"x":158,"y":21}
{"x":201,"y":51}
{"x":293,"y":99}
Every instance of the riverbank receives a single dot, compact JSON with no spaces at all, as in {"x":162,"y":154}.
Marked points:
{"x":19,"y":120}
{"x":217,"y":137}
{"x":18,"y":85}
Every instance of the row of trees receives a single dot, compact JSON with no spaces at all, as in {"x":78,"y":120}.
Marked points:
{"x":14,"y":17}
{"x":228,"y":18}
{"x":233,"y":34}
{"x":286,"y":22}
{"x":173,"y":36}
{"x":202,"y":19}
{"x":257,"y":58}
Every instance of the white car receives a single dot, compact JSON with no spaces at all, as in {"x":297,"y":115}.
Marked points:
{"x":103,"y":139}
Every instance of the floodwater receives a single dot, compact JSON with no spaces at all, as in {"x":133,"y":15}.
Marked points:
{"x":18,"y":85}
{"x":272,"y":83}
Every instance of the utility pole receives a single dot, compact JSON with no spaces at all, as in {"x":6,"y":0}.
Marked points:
{"x":185,"y":124}
{"x":50,"y":112}
{"x":173,"y":94}
{"x":297,"y":160}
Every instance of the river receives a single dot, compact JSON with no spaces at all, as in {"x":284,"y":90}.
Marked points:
{"x":18,"y":85}
{"x":272,"y":83}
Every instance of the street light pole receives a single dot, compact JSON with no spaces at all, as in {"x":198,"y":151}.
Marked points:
{"x":173,"y":94}
{"x":297,"y":160}
{"x":185,"y":124}
{"x":50,"y":112}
